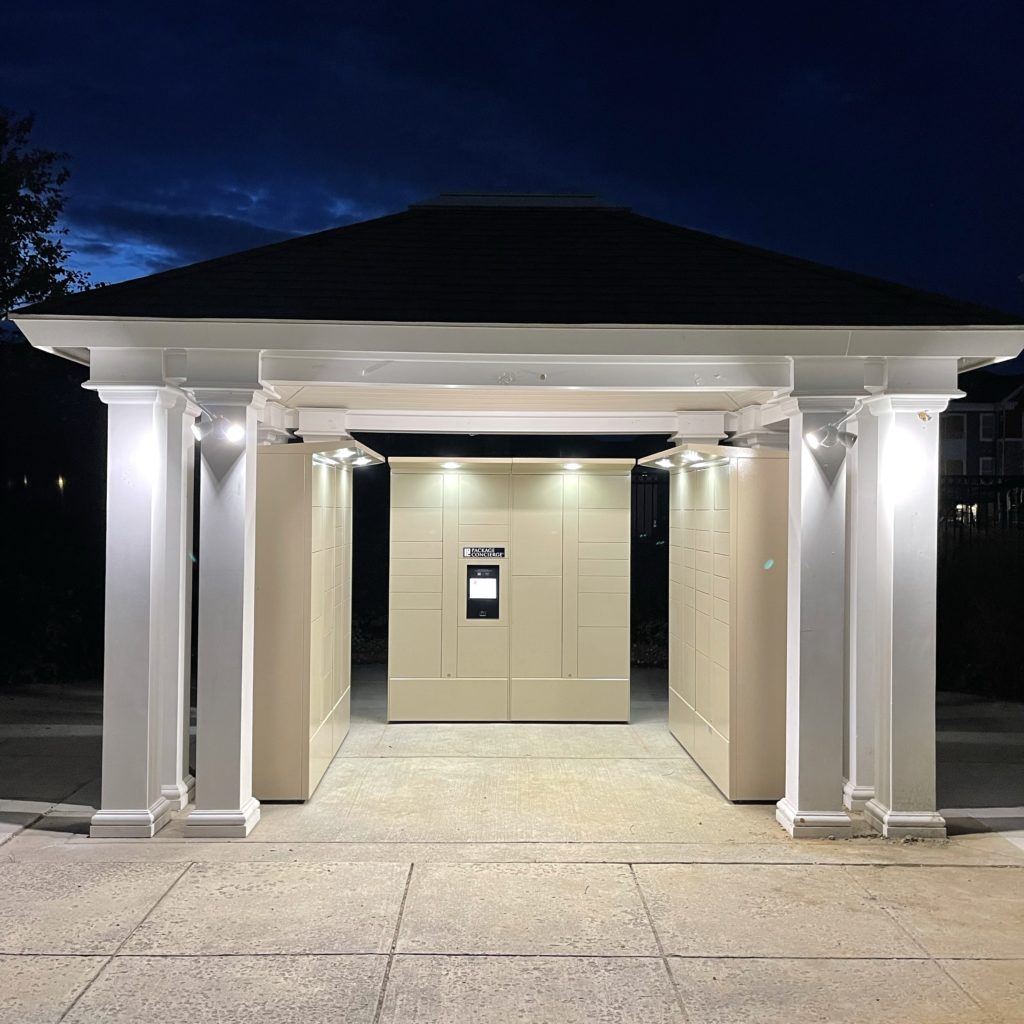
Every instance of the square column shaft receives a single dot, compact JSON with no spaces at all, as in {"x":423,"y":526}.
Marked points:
{"x":142,"y":615}
{"x":907,"y":512}
{"x":176,"y":781}
{"x":813,"y":804}
{"x":862,"y":464}
{"x":224,"y":804}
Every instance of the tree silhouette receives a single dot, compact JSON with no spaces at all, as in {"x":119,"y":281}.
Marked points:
{"x":33,"y":255}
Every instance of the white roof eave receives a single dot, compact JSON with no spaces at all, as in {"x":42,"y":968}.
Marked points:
{"x":69,"y":336}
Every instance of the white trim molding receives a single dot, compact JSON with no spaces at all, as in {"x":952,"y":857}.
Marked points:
{"x":224,"y":824}
{"x":110,"y":824}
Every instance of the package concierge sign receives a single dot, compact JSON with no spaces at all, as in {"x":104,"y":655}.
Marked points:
{"x":483,"y":552}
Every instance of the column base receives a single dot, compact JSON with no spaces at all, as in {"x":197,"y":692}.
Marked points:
{"x":130,"y":824}
{"x":179,"y":795}
{"x":904,"y":824}
{"x":223,"y":824}
{"x":813,"y":824}
{"x":855,"y":797}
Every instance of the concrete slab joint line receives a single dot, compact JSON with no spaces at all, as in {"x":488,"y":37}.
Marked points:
{"x":661,"y":948}
{"x":124,"y":941}
{"x":394,"y":945}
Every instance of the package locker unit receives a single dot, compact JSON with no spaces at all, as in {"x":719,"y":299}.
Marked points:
{"x":727,"y":613}
{"x":509,"y":590}
{"x":303,"y":609}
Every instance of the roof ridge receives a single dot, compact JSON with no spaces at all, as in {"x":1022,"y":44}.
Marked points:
{"x":516,"y":201}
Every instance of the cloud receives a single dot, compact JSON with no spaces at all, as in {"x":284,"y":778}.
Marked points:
{"x":188,"y":236}
{"x":188,"y":221}
{"x":116,"y":241}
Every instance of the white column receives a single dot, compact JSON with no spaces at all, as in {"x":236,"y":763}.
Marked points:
{"x":907,"y":529}
{"x":176,"y":782}
{"x":186,"y":592}
{"x":813,"y":804}
{"x":224,"y":804}
{"x":144,"y":431}
{"x":862,"y":665}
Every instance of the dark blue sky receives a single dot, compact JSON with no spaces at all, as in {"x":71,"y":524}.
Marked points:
{"x":885,"y":138}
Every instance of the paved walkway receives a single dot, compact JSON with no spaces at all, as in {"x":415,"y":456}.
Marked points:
{"x":501,"y":873}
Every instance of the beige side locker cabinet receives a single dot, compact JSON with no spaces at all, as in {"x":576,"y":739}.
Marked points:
{"x":301,"y":670}
{"x":728,"y":537}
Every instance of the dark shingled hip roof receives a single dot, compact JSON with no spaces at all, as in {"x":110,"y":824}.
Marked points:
{"x":524,"y":259}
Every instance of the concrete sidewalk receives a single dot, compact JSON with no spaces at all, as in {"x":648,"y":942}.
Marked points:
{"x":500,"y":873}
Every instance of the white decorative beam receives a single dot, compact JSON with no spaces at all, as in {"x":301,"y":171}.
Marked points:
{"x":322,"y":424}
{"x":333,"y":423}
{"x":275,"y":420}
{"x":760,"y":426}
{"x":511,"y":369}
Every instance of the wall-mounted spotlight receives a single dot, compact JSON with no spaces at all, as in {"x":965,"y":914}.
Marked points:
{"x":202,"y":428}
{"x":220,"y":426}
{"x":233,"y":432}
{"x":829,"y":436}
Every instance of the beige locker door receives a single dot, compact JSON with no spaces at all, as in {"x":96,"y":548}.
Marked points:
{"x":536,"y":627}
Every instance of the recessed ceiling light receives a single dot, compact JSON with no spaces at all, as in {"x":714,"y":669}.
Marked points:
{"x":664,"y":463}
{"x":573,"y":465}
{"x":450,"y":465}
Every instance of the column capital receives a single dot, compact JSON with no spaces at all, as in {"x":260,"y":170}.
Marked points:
{"x":238,"y":397}
{"x":840,"y":405}
{"x":138,"y":394}
{"x":926,"y":404}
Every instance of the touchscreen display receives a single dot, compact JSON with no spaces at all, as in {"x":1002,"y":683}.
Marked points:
{"x":483,"y":589}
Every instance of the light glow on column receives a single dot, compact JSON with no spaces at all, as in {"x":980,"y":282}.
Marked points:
{"x":144,"y":457}
{"x":904,"y":464}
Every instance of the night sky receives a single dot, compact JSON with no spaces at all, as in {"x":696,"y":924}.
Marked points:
{"x":885,"y":138}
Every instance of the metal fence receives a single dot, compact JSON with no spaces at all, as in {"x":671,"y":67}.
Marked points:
{"x":977,"y":504}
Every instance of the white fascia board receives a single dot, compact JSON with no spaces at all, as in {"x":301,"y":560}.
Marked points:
{"x":479,"y":422}
{"x":970,"y":343}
